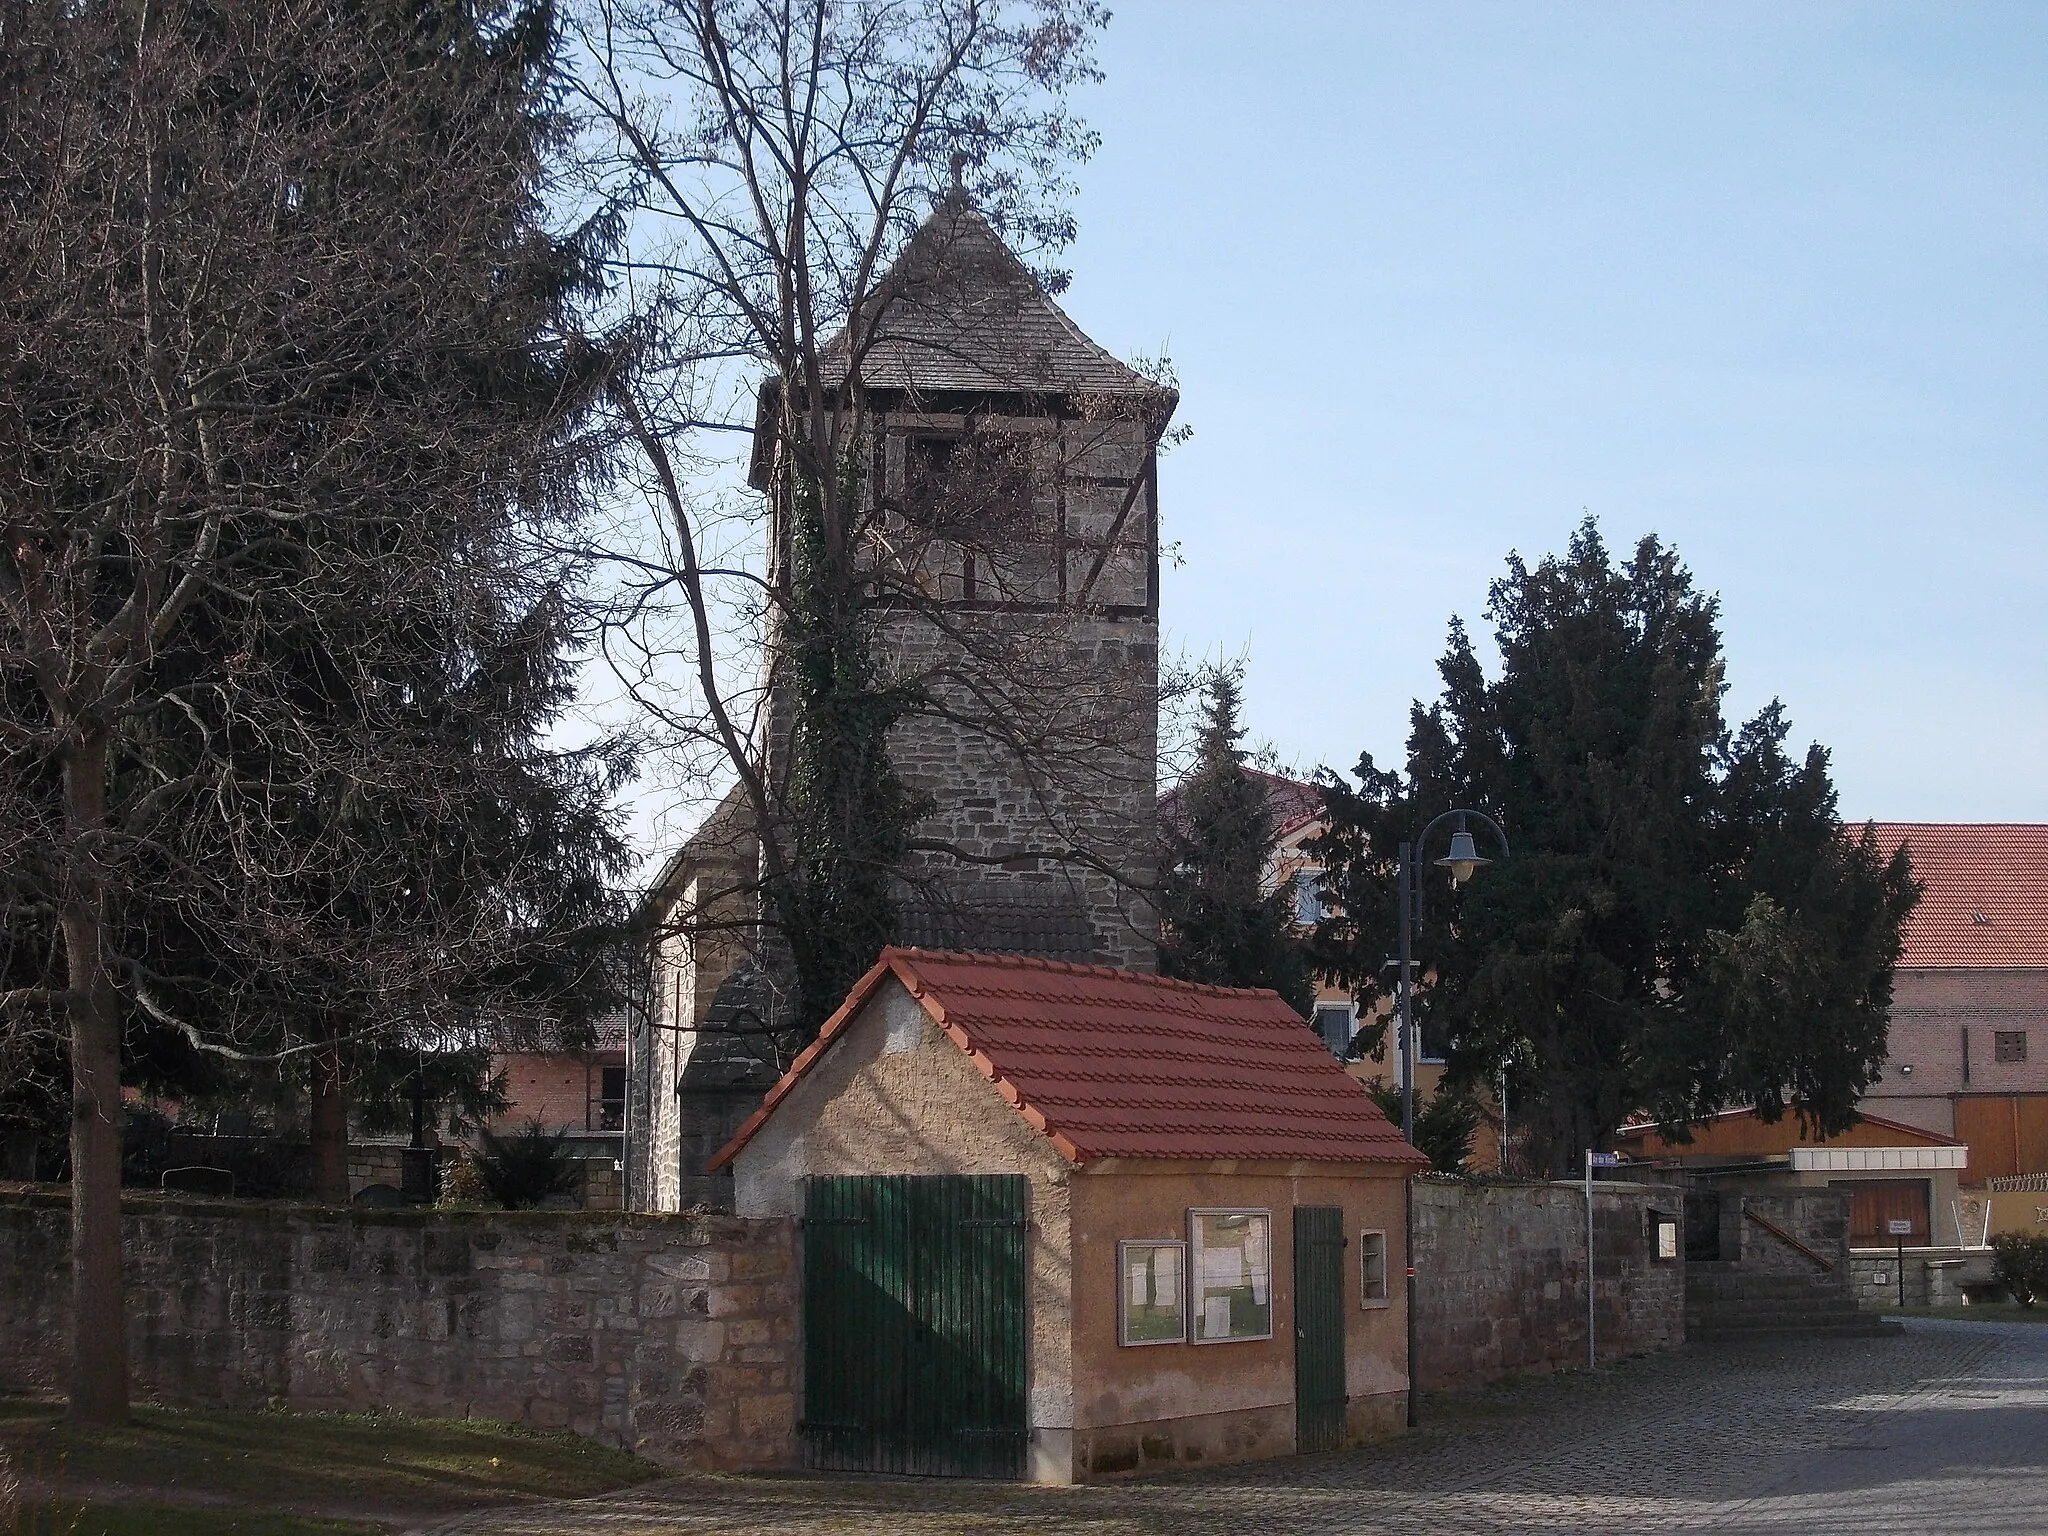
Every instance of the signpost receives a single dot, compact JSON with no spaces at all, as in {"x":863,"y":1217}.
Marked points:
{"x":1900,"y":1230}
{"x":1593,"y":1160}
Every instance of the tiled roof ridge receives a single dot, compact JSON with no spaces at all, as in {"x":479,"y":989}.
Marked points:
{"x":1950,"y":826}
{"x":1075,"y":968}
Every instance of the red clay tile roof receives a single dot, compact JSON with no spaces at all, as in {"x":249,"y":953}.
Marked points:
{"x":1986,"y":903}
{"x":1108,"y":1063}
{"x":1293,"y":803}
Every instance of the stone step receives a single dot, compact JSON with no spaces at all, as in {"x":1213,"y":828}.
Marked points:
{"x":1737,"y":1317}
{"x":1760,"y":1284}
{"x":1737,"y":1313}
{"x":1818,"y":1321}
{"x":1866,"y":1326}
{"x":1783,"y":1299}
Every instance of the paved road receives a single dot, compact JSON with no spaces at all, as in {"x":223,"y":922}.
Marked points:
{"x":1942,"y":1430}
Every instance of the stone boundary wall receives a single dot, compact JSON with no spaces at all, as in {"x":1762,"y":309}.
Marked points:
{"x":1501,"y":1277}
{"x":673,"y":1336}
{"x":1935,"y":1277}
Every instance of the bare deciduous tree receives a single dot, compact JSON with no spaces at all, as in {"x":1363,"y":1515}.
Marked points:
{"x":815,"y":190}
{"x":279,"y":432}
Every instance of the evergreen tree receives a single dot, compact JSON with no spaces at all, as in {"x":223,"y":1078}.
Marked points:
{"x":1445,"y":1122}
{"x":1684,"y":923}
{"x":1222,"y":924}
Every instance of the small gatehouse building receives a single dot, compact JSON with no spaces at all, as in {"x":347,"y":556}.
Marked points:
{"x":1062,"y":1222}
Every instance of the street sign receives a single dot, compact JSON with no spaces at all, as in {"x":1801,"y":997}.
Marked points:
{"x":1603,"y":1159}
{"x":1899,"y":1228}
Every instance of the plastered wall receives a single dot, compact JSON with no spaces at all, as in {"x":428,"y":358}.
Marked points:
{"x":1142,"y":1405}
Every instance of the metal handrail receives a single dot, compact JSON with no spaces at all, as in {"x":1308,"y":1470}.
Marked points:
{"x":1788,"y":1239}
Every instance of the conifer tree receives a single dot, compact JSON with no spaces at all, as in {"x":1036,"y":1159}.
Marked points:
{"x":1684,"y":924}
{"x":1223,"y":921}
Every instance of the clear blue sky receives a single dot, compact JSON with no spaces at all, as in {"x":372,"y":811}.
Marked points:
{"x":1768,"y":279}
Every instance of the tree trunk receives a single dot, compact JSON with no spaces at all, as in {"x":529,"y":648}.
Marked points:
{"x":327,"y":1127}
{"x":99,"y":1351}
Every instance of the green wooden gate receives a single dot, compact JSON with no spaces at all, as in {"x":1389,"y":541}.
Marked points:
{"x":1318,"y":1328}
{"x":914,"y":1324}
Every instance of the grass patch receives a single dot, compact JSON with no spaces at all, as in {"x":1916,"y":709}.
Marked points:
{"x":307,"y":1463}
{"x":67,"y":1519}
{"x":1977,"y":1312}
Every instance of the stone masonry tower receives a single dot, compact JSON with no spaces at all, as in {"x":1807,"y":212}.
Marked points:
{"x":1012,"y":493}
{"x":1014,"y":478}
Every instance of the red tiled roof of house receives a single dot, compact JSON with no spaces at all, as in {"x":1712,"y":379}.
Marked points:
{"x":1293,"y":803}
{"x":1108,"y":1063}
{"x":1986,"y":902}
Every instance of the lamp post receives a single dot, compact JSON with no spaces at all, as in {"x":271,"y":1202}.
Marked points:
{"x":1463,"y":860}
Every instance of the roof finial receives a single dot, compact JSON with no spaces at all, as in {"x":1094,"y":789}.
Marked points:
{"x":959,"y":165}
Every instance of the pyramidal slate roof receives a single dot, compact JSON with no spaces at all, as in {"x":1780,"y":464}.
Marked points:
{"x":1109,"y":1063}
{"x":957,"y":311}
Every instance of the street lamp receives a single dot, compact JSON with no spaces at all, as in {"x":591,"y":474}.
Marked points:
{"x":1463,"y":860}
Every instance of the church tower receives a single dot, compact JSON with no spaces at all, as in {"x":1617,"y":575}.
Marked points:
{"x":1014,"y":483}
{"x":1010,"y":493}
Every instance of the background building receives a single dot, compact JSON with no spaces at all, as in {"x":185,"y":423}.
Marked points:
{"x":1969,"y":1033}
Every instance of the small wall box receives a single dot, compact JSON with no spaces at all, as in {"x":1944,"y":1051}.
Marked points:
{"x":1663,"y":1235}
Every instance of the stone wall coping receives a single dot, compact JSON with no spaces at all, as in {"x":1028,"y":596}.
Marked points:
{"x":142,"y":1202}
{"x":1453,"y":1183}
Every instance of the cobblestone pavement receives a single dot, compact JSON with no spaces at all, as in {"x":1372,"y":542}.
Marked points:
{"x":1941,"y":1430}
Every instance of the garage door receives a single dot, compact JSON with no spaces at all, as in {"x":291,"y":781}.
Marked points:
{"x":1875,"y":1203}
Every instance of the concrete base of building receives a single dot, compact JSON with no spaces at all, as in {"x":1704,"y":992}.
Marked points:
{"x":1245,"y":1434}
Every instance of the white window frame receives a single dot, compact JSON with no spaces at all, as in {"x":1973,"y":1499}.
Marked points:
{"x":1368,"y":1302}
{"x":1316,"y":1011}
{"x":1304,"y":883}
{"x":1123,"y":1291}
{"x":1195,"y":1284}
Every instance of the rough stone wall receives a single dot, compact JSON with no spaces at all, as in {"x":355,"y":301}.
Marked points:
{"x":1934,"y":1278}
{"x":383,"y":1162}
{"x":1818,"y":1218}
{"x":675,"y":1337}
{"x":693,"y":1106}
{"x":661,"y":1066}
{"x":1501,"y":1277}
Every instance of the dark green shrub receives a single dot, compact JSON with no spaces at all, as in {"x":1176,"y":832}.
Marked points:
{"x":2020,"y":1264}
{"x":1445,"y":1123}
{"x":522,"y":1170}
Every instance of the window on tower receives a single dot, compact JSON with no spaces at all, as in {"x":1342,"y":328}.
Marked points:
{"x":967,"y":487}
